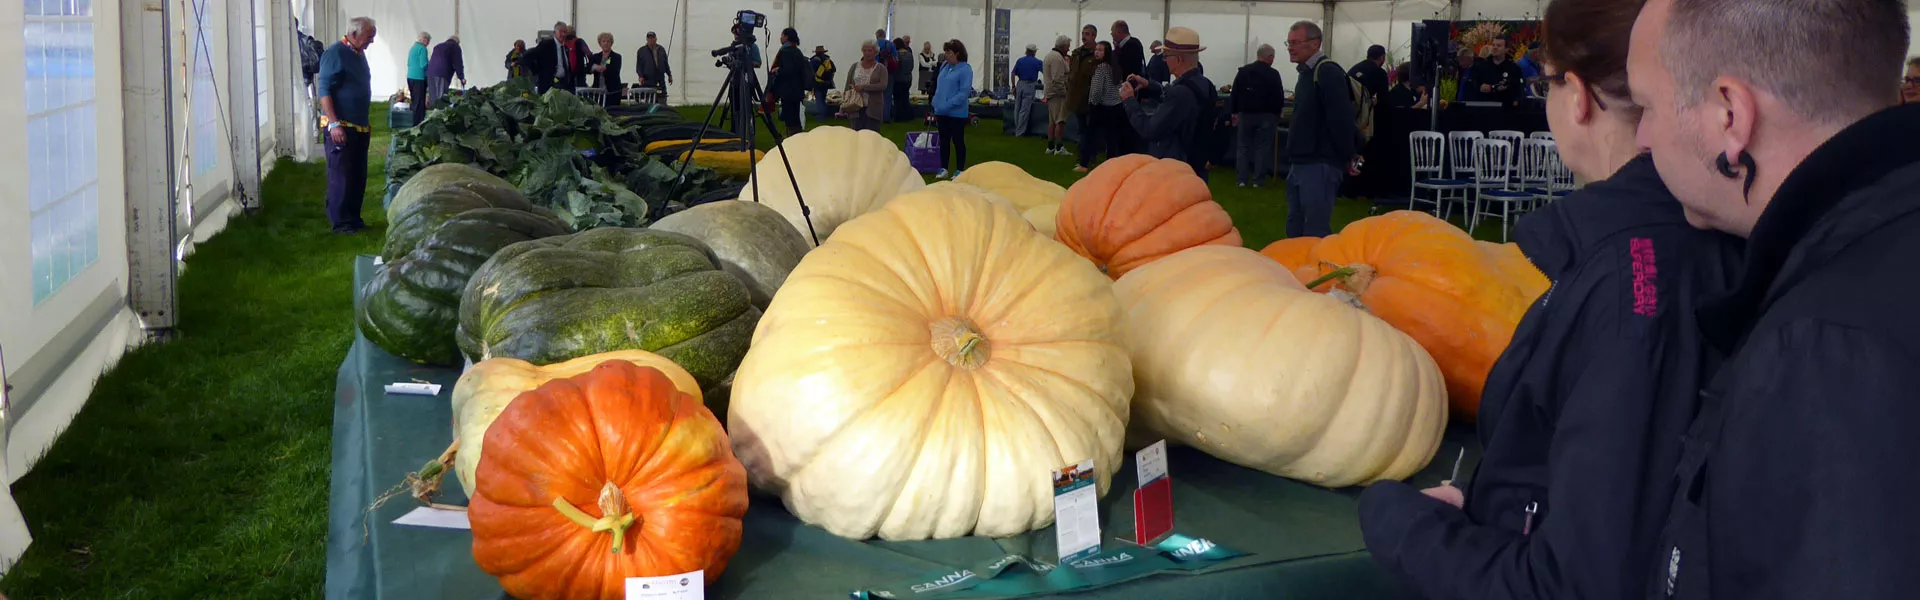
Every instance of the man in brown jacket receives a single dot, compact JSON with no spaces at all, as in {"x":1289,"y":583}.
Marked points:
{"x":1080,"y":79}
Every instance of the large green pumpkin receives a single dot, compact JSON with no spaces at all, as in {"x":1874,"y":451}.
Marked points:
{"x":424,"y":212}
{"x":753,"y":242}
{"x":559,"y":298}
{"x":432,"y":178}
{"x":412,"y":305}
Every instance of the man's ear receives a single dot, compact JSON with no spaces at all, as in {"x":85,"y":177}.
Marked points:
{"x":1735,"y":113}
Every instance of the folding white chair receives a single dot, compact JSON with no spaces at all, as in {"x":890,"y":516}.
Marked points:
{"x":1540,"y":135}
{"x":1559,"y":181}
{"x":1512,"y":138}
{"x":1493,"y":160}
{"x":1429,"y":170}
{"x":1536,"y":165}
{"x":1460,"y":165}
{"x":592,"y":95}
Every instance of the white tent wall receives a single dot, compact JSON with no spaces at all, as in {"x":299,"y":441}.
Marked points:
{"x":1038,"y":22}
{"x":841,"y":26}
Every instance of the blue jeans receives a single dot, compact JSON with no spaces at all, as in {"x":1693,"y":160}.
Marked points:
{"x":1311,"y":188}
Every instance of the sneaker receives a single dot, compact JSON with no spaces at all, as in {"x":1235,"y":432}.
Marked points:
{"x":956,"y":174}
{"x":1079,"y":169}
{"x":1243,"y":184}
{"x":941,"y":175}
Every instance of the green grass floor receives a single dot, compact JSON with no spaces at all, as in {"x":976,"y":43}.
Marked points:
{"x":199,"y":467}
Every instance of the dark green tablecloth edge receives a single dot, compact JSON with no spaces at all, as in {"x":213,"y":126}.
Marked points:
{"x":1304,"y":542}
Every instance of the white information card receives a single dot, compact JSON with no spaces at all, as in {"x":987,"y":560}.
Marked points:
{"x":1076,"y":512}
{"x":685,"y":586}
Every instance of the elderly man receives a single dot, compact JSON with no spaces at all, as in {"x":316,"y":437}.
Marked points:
{"x":1129,"y":59}
{"x":1054,"y":70}
{"x":346,"y":93}
{"x":560,"y":61}
{"x":1176,"y":129}
{"x":417,"y":91}
{"x":447,"y":64}
{"x":1026,"y":84}
{"x":1797,"y":478}
{"x":1257,"y":101}
{"x":1322,"y":140}
{"x":651,"y":63}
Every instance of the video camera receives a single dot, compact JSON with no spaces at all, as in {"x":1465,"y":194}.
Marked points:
{"x":744,"y":22}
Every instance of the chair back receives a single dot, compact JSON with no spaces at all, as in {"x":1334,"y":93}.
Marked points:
{"x":1541,"y":135}
{"x":1559,"y":176}
{"x":1537,"y":157}
{"x":1460,"y":151}
{"x":1493,"y":162}
{"x":1429,"y":154}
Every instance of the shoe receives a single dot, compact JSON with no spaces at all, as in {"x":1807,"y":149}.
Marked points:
{"x":1079,"y":169}
{"x":1243,"y":184}
{"x":956,"y":174}
{"x":941,"y":175}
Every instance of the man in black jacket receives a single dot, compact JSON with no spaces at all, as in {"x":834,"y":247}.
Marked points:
{"x":1372,"y":72}
{"x":650,"y":63}
{"x":1258,"y":97}
{"x":1498,"y":78}
{"x":1322,"y":139}
{"x":1130,"y":60}
{"x":1179,"y":128}
{"x":1156,"y":70}
{"x":1797,"y":479}
{"x":559,"y":61}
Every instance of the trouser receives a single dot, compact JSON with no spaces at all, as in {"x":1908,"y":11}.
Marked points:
{"x":1100,"y":133}
{"x":790,"y":114}
{"x":1023,"y":103}
{"x":1130,"y":142}
{"x":437,"y":89}
{"x":346,"y":181}
{"x":902,"y":105}
{"x":953,"y":141}
{"x":417,"y":96}
{"x":1311,"y":187}
{"x":1253,"y":159}
{"x":859,"y":121}
{"x":821,"y":110}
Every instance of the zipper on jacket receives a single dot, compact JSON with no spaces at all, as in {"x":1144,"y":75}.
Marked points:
{"x":1527,"y":527}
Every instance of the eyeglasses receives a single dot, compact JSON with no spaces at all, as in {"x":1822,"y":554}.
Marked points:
{"x":1542,"y":82}
{"x":1291,"y":43}
{"x":1911,"y":81}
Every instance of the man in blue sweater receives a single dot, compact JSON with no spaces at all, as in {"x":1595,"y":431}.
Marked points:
{"x":1026,"y":82}
{"x":346,"y":91}
{"x":1322,"y":140}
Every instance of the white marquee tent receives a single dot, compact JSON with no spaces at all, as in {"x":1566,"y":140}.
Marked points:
{"x":149,"y":123}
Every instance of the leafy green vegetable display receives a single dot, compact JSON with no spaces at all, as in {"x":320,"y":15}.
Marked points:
{"x":586,"y":165}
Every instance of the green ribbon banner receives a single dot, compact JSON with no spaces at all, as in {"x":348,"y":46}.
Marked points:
{"x":1014,"y":575}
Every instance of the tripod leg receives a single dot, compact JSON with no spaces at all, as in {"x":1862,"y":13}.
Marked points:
{"x":655,"y":207}
{"x":806,"y":213}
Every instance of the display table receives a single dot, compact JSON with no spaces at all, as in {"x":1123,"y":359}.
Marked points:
{"x":1302,"y":542}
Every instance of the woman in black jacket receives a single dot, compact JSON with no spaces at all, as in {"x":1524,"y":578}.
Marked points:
{"x":1582,"y":415}
{"x":606,"y":68}
{"x":791,"y":77}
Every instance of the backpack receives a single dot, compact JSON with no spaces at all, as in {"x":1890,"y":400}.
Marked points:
{"x":1203,"y":123}
{"x":824,"y":73}
{"x":1362,"y":104}
{"x":310,"y":52}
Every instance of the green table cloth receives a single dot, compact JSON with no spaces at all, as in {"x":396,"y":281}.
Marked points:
{"x":1301,"y":542}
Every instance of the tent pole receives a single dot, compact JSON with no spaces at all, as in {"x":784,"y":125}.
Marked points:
{"x":1246,"y":36}
{"x":1327,"y":24}
{"x":1166,"y":17}
{"x":683,"y":50}
{"x":573,"y":12}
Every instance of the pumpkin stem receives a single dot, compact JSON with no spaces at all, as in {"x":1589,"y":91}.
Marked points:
{"x":616,"y":517}
{"x":1354,"y":278}
{"x":959,"y":343}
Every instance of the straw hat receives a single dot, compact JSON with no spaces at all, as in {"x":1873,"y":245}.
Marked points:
{"x":1181,"y":40}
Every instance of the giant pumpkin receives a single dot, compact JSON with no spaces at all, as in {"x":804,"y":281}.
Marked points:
{"x":589,"y":480}
{"x":412,"y":306}
{"x":753,"y":242}
{"x":1135,"y":209}
{"x":485,"y":390}
{"x":1025,"y":191}
{"x":1234,"y":357}
{"x":1430,"y":280}
{"x":842,"y":174}
{"x":1296,"y":254}
{"x":1517,"y":267}
{"x":921,"y":373}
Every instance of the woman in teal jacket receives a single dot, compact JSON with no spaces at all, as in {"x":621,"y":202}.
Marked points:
{"x":950,"y":94}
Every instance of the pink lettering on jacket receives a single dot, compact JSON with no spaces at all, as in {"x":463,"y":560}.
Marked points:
{"x":1646,"y":292}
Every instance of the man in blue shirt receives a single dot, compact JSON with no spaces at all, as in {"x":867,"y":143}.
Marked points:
{"x":1026,"y":80}
{"x":346,"y":93}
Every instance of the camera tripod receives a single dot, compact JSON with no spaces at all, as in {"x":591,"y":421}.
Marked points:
{"x":744,"y":94}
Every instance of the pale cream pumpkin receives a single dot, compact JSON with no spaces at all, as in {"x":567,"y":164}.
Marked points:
{"x":1232,"y":355}
{"x":492,"y":384}
{"x":1042,"y":218}
{"x":1025,"y":191}
{"x":921,"y":373}
{"x":842,"y":174}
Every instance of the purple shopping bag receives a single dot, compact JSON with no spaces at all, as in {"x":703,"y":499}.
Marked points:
{"x":923,"y":151}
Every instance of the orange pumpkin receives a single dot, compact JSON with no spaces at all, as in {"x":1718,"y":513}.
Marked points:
{"x":615,"y":473}
{"x":1296,"y":254}
{"x":1518,"y":269}
{"x":1135,"y":209}
{"x":1433,"y":282}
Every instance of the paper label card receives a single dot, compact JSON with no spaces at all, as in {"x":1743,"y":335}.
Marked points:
{"x":1076,"y":512}
{"x":1153,"y":502}
{"x":685,"y":586}
{"x":412,"y":388}
{"x":427,"y":516}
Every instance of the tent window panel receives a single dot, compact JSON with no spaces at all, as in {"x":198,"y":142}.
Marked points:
{"x":62,"y":152}
{"x":262,"y":71}
{"x":202,"y":97}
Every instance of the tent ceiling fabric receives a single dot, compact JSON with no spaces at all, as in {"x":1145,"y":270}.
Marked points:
{"x":1230,"y":29}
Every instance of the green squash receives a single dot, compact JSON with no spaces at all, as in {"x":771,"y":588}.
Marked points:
{"x":753,"y":242}
{"x":425,"y":212}
{"x":432,"y":178}
{"x":560,"y":298}
{"x":412,"y":306}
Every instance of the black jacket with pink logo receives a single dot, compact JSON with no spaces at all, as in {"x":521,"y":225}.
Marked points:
{"x":1582,"y":416}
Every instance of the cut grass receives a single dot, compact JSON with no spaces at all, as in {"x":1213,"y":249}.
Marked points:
{"x":199,"y":467}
